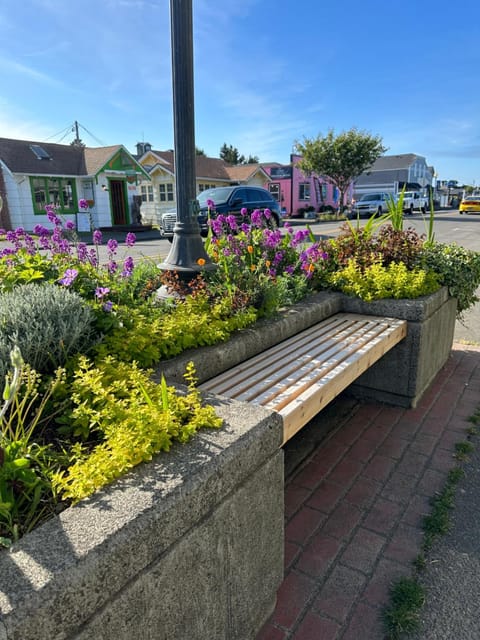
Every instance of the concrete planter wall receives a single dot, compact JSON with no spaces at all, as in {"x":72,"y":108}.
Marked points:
{"x":188,"y":546}
{"x":191,"y":545}
{"x":404,"y":373}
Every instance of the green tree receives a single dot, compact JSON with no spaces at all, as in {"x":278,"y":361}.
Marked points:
{"x":231,"y":154}
{"x":199,"y":152}
{"x":339,"y":159}
{"x":251,"y":160}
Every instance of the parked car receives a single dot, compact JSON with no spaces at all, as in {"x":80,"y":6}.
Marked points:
{"x":370,"y":204}
{"x":227,"y":201}
{"x":413,"y":200}
{"x":470,"y":204}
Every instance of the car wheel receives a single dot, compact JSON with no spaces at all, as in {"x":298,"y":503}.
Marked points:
{"x":170,"y":239}
{"x":410,"y":211}
{"x":273,"y":222}
{"x":423,"y":210}
{"x":379,"y":211}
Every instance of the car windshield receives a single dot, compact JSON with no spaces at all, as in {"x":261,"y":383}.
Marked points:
{"x":470,"y":198}
{"x":370,"y":196}
{"x":219,"y":195}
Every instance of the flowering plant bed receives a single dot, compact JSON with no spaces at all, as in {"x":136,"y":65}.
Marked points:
{"x":80,"y":407}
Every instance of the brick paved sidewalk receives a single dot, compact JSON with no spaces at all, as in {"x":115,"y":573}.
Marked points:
{"x":354,"y":508}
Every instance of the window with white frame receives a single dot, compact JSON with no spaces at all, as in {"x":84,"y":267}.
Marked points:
{"x":304,"y":191}
{"x":146,"y":193}
{"x":166,"y":192}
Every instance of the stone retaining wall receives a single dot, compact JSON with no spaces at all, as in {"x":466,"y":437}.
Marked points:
{"x":187,"y":547}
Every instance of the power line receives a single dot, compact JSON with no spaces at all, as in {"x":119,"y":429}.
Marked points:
{"x":94,"y":137}
{"x":71,"y":128}
{"x":64,"y":131}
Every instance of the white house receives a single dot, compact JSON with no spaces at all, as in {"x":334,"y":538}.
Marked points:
{"x":34,"y":174}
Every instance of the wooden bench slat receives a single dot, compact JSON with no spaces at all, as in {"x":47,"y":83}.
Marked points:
{"x":314,"y":362}
{"x":306,"y":345}
{"x":301,"y":375}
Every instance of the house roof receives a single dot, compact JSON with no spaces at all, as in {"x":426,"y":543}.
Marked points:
{"x":97,"y":157}
{"x":207,"y":168}
{"x":64,"y":160}
{"x":22,"y":156}
{"x":389,"y":163}
{"x":243,"y":172}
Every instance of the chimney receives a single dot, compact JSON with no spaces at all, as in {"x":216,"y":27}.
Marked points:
{"x":143,"y":147}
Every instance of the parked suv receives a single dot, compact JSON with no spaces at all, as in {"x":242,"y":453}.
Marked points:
{"x":371,"y":204}
{"x":227,"y":201}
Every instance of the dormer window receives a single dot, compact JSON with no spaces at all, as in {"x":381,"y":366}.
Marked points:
{"x":40,"y":152}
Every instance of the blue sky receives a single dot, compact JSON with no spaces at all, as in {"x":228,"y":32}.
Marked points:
{"x":267,"y":73}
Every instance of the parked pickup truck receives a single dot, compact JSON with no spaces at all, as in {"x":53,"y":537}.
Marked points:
{"x":414,"y":201}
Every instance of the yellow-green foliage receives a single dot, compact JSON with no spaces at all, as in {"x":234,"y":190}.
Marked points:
{"x":135,"y":417}
{"x":376,"y":282}
{"x":148,"y":334}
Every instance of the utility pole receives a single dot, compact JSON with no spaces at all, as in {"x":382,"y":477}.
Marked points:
{"x":187,"y":254}
{"x":77,"y":142}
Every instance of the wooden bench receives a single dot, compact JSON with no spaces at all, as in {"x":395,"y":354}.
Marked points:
{"x":301,"y":375}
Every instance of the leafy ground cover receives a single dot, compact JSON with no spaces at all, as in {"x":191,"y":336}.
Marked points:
{"x":79,"y":337}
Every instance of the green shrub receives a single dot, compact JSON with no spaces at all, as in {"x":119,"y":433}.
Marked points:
{"x":376,"y":281}
{"x":48,"y":323}
{"x":147,"y":334}
{"x":25,"y":464}
{"x":136,"y":417}
{"x":457,"y":268}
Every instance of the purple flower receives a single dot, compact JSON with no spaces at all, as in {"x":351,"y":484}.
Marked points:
{"x":68,"y":277}
{"x":82,"y":203}
{"x":210,"y":204}
{"x":92,"y":257}
{"x":216,"y":225}
{"x":82,"y":252}
{"x":128,"y":267}
{"x":130,"y":239}
{"x":112,"y":245}
{"x":256,"y":218}
{"x":108,"y":306}
{"x":97,"y":237}
{"x":244,"y":211}
{"x":232,"y":222}
{"x":40,"y":230}
{"x":267,"y":213}
{"x":101,"y":292}
{"x":44,"y":241}
{"x":69,"y":225}
{"x":20,"y":231}
{"x":51,"y":215}
{"x":112,"y":267}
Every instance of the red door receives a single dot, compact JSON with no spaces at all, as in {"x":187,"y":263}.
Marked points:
{"x":117,"y":200}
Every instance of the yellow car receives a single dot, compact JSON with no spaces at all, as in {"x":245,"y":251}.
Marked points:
{"x":470,"y":204}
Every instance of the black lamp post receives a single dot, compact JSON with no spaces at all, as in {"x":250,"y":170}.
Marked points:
{"x":187,"y":254}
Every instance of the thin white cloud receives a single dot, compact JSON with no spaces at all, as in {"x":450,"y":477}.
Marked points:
{"x":10,"y":66}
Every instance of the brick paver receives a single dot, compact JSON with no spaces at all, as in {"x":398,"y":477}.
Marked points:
{"x":354,"y":509}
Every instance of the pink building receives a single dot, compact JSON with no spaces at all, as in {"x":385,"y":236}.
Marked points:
{"x":299,"y":194}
